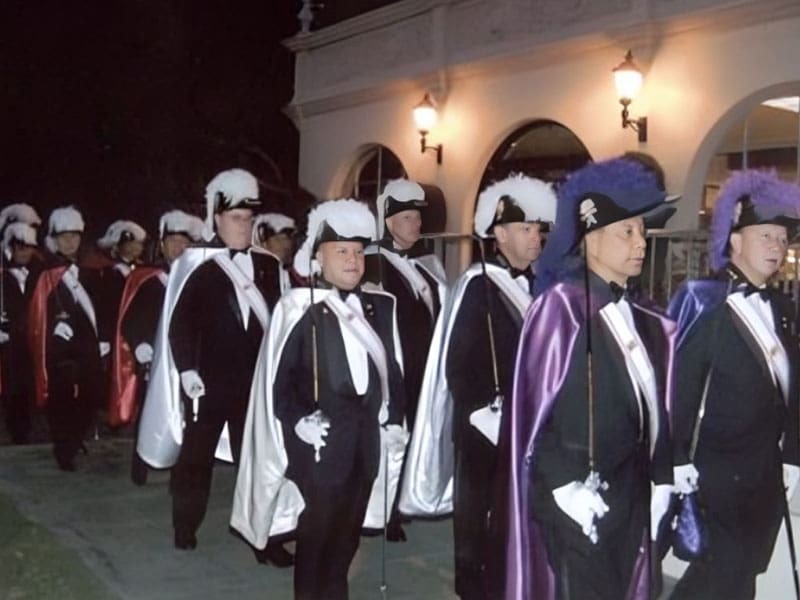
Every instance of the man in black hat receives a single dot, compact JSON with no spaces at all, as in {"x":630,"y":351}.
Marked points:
{"x":141,"y":302}
{"x":215,"y":318}
{"x":337,"y":392}
{"x":481,"y":332}
{"x":736,"y":407}
{"x":63,"y":329}
{"x":589,"y":432}
{"x":403,"y":267}
{"x":16,"y":381}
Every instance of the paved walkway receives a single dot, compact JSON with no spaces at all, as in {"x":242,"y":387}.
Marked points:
{"x":93,"y":535}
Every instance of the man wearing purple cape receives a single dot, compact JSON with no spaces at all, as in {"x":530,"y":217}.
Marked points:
{"x":589,"y":425}
{"x":736,"y":407}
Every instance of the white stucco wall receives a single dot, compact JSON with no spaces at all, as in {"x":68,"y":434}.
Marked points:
{"x":698,"y":82}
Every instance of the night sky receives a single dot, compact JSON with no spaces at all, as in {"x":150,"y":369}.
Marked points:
{"x":128,"y":108}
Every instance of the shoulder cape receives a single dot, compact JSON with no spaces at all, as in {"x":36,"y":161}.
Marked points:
{"x":37,"y":328}
{"x":161,"y":425}
{"x":693,"y":300}
{"x":265,"y":502}
{"x":546,"y":344}
{"x":122,"y":405}
{"x":427,"y":486}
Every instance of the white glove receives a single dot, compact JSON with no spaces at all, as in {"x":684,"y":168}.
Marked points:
{"x":312,"y":429}
{"x":582,"y":505}
{"x":394,"y":436}
{"x":791,"y":475}
{"x":63,"y":330}
{"x":686,"y":478}
{"x":105,"y":348}
{"x":143,"y":353}
{"x":192,"y":385}
{"x":659,"y":503}
{"x":4,"y":337}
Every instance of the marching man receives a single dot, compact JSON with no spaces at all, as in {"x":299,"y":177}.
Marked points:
{"x":327,"y":401}
{"x":216,"y":311}
{"x":64,"y":340}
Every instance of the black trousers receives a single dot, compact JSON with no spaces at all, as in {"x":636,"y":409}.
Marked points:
{"x":473,"y":496}
{"x":602,"y":571}
{"x":72,"y":396}
{"x":190,"y":478}
{"x":328,"y":533}
{"x":741,"y":538}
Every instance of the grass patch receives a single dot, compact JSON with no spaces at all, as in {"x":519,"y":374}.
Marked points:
{"x":35,"y":566}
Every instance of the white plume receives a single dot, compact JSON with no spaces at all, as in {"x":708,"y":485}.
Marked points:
{"x":236,"y":185}
{"x":115,"y":231}
{"x":275,"y":221}
{"x":402,"y":190}
{"x":535,"y":197}
{"x":177,"y":221}
{"x":19,"y":213}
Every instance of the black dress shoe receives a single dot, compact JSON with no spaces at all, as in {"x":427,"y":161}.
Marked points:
{"x":394,"y":532}
{"x":185,"y":540}
{"x":138,"y":471}
{"x":276,"y":554}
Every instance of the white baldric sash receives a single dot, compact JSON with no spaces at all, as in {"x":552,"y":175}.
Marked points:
{"x":766,"y":338}
{"x":124,"y":269}
{"x":162,"y":277}
{"x":80,"y":295}
{"x":21,"y":276}
{"x":640,"y":369}
{"x":366,"y":336}
{"x":247,"y":288}
{"x":409,"y":271}
{"x":510,"y":288}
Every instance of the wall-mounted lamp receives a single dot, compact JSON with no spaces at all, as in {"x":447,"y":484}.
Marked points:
{"x":425,"y":117}
{"x":628,"y":81}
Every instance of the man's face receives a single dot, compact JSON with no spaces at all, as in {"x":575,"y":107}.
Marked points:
{"x":758,"y":251}
{"x":235,"y":227}
{"x":68,"y":243}
{"x":130,"y":250}
{"x":616,"y":252}
{"x":342,"y":263}
{"x":173,"y":245}
{"x":405,"y":227}
{"x":520,"y":243}
{"x":281,"y":246}
{"x":22,"y":254}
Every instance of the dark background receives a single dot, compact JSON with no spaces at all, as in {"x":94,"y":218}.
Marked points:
{"x":127,"y":108}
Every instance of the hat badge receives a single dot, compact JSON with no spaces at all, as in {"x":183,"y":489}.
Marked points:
{"x":587,"y":211}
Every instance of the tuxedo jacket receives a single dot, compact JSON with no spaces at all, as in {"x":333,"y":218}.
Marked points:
{"x":16,"y":367}
{"x":140,"y":322}
{"x":748,"y":428}
{"x":469,"y":368}
{"x":621,"y":431}
{"x":353,"y":440}
{"x":415,"y":322}
{"x":207,"y":332}
{"x":82,"y":351}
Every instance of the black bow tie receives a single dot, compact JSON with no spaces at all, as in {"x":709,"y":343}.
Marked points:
{"x":764,"y":293}
{"x":234,"y":252}
{"x":617,"y":291}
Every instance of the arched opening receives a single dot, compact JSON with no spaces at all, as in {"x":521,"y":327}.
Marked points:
{"x":543,"y":149}
{"x":369,"y":173}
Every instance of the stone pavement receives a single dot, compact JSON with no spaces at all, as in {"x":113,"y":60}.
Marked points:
{"x":94,"y":535}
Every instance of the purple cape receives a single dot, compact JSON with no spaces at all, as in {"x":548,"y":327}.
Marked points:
{"x":546,"y":344}
{"x":693,"y":300}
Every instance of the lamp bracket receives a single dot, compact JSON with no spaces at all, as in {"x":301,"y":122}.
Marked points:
{"x":424,"y":147}
{"x":639,"y":125}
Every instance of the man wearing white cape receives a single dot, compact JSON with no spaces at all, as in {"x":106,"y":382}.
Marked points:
{"x":216,"y":313}
{"x":325,"y":412}
{"x":452,"y":464}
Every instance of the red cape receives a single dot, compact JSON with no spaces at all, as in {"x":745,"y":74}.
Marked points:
{"x":37,"y":328}
{"x":122,"y":401}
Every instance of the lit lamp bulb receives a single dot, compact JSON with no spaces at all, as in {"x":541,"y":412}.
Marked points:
{"x":425,"y":115}
{"x":628,"y":81}
{"x":425,"y":118}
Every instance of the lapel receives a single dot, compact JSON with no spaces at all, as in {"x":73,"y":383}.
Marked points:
{"x":753,"y":347}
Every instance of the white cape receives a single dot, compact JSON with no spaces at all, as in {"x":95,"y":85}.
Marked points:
{"x":161,"y":424}
{"x":265,"y":502}
{"x":427,"y":486}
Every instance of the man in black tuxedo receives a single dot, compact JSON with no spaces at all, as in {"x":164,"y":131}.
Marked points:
{"x":19,"y":246}
{"x":338,"y":394}
{"x":64,"y":336}
{"x":215,"y":332}
{"x":736,"y":407}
